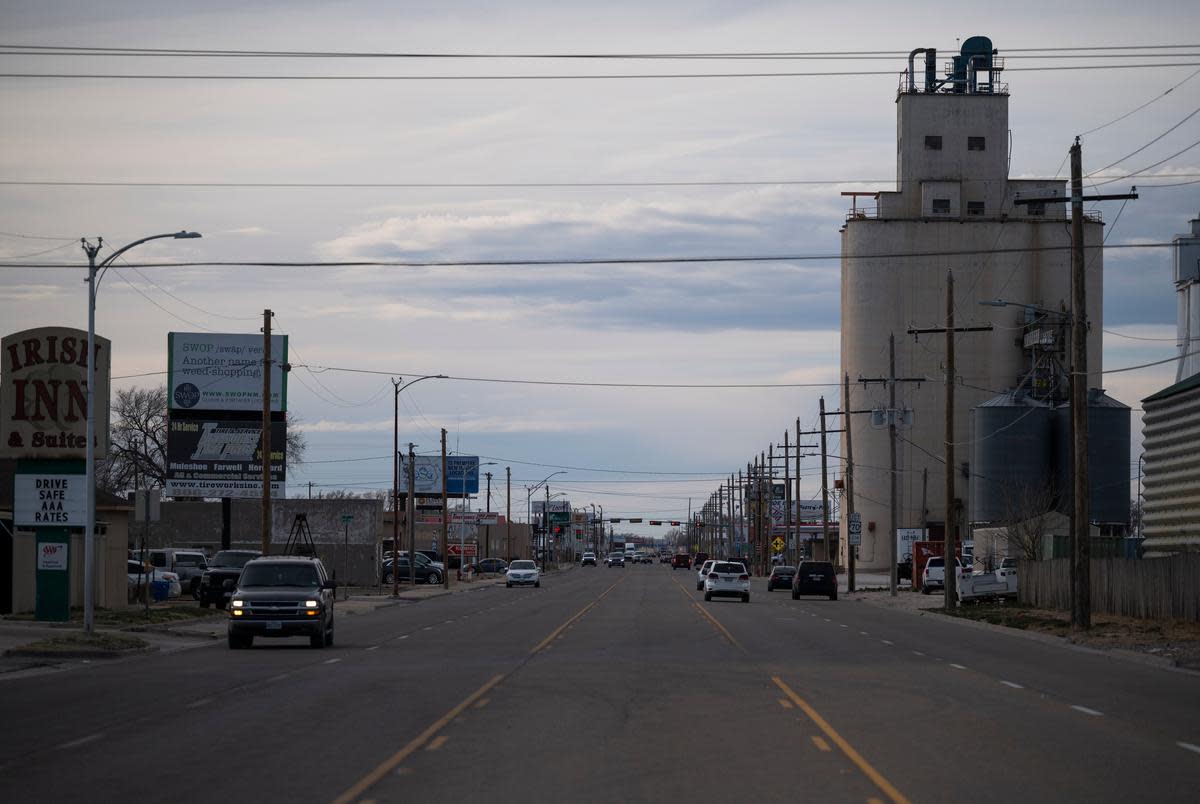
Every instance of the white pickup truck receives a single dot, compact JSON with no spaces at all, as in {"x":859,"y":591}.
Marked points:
{"x":934,"y":574}
{"x":1001,"y":583}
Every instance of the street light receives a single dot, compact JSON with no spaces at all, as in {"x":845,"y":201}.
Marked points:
{"x":412,"y":566}
{"x":89,"y":545}
{"x":529,"y":491}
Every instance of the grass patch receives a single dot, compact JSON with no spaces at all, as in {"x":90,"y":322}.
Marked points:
{"x":123,"y":618}
{"x":1011,"y":616}
{"x":72,"y":642}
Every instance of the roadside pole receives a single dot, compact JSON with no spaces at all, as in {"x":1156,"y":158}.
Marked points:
{"x":410,"y":520}
{"x":266,"y":434}
{"x":445,"y":541}
{"x":852,"y":539}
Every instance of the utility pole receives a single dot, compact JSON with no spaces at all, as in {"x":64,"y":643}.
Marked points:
{"x":487,"y":529}
{"x":411,"y":518}
{"x":796,"y":497}
{"x":396,"y":488}
{"x":848,"y":477}
{"x":546,"y":532}
{"x":787,"y":497}
{"x":1081,"y":591}
{"x":950,"y":582}
{"x":266,"y":434}
{"x":445,"y":541}
{"x":508,"y":503}
{"x":825,"y":486}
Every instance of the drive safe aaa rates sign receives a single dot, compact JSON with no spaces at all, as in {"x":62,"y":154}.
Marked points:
{"x":50,"y":500}
{"x":212,"y":457}
{"x":43,"y":394}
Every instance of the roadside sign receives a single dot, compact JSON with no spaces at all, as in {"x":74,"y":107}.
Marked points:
{"x":855,"y":530}
{"x":778,"y":544}
{"x":347,"y":519}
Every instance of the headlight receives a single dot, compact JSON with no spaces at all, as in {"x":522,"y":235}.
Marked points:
{"x":237,"y":604}
{"x":311,"y":604}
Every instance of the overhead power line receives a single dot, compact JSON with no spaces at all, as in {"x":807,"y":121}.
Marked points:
{"x":546,"y":77}
{"x":587,"y":261}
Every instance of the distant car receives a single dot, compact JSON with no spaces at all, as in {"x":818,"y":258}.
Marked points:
{"x":814,"y":578}
{"x":218,"y":581}
{"x":615,"y":560}
{"x":282,"y":596}
{"x":522,"y":573}
{"x":727,"y":579}
{"x":424,"y":572}
{"x":702,"y":573}
{"x":934,"y":575}
{"x":681,"y":561}
{"x":781,"y":577}
{"x":664,"y":558}
{"x":490,"y":565}
{"x":189,"y":565}
{"x":588,"y":560}
{"x":699,"y":559}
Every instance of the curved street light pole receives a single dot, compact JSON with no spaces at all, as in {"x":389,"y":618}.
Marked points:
{"x":89,"y":534}
{"x":529,"y":490}
{"x":397,"y":387}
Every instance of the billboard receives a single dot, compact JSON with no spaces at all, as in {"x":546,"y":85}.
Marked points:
{"x":428,"y":471}
{"x":218,"y":371}
{"x":43,"y":394}
{"x":209,"y":457}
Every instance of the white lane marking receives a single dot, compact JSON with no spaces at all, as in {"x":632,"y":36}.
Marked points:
{"x":83,"y":740}
{"x":1087,"y":711}
{"x":864,"y":633}
{"x":1012,"y":684}
{"x":1189,"y":747}
{"x":332,"y":661}
{"x":279,"y":677}
{"x":427,"y":628}
{"x":373,"y":647}
{"x":447,"y":622}
{"x":403,"y":636}
{"x":845,"y":626}
{"x":828,"y":620}
{"x":957,"y":666}
{"x":887,"y":642}
{"x":200,"y":703}
{"x":917,"y":653}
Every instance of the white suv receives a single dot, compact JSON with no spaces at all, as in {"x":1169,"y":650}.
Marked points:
{"x":935,"y":573}
{"x":702,"y":573}
{"x":727,"y":579}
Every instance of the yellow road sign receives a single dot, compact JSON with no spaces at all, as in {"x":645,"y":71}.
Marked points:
{"x":777,"y":544}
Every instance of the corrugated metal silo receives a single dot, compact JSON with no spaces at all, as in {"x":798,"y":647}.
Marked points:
{"x":1108,"y":457}
{"x":1012,"y":462}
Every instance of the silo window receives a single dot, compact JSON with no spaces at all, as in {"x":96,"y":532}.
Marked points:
{"x":1037,"y":209}
{"x":976,"y":143}
{"x":974,"y":207}
{"x":933,"y":142}
{"x":941,"y":206}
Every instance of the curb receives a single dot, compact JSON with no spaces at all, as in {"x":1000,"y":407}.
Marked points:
{"x":96,"y":653}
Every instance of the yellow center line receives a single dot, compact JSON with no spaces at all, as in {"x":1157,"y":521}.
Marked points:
{"x":558,"y":631}
{"x":437,"y":742}
{"x":820,"y":743}
{"x":717,"y":623}
{"x":390,"y":764}
{"x":786,"y":704}
{"x":875,"y":776}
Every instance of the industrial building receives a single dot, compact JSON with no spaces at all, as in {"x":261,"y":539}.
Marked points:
{"x":1171,"y":424}
{"x":954,"y":209}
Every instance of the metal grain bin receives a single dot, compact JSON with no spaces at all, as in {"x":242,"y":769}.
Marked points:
{"x":1108,"y":457}
{"x":1012,"y":460}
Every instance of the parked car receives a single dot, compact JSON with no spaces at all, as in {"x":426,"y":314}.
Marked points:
{"x":282,"y":596}
{"x":702,"y":573}
{"x":490,"y":565}
{"x":780,"y":577}
{"x":424,"y":571}
{"x":681,"y":561}
{"x":615,"y":560}
{"x":189,"y":565}
{"x":727,"y":579}
{"x":522,"y":573}
{"x":588,"y":560}
{"x":140,"y":576}
{"x":814,"y":578}
{"x":218,"y":581}
{"x":934,"y":574}
{"x":699,"y":559}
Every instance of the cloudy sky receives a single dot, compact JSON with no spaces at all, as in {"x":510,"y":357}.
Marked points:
{"x":454,"y":121}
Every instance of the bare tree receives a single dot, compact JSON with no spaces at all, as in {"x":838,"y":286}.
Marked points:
{"x":1028,"y":509}
{"x":137,"y":451}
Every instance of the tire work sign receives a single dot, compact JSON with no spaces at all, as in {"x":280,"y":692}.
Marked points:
{"x":210,"y":457}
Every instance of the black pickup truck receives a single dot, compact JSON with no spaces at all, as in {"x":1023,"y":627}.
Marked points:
{"x":219,"y":580}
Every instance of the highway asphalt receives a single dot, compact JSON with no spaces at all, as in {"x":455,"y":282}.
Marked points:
{"x":610,"y":685}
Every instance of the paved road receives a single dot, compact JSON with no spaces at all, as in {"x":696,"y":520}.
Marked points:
{"x":611,"y":686}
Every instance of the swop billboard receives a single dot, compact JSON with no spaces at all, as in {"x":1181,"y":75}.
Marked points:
{"x":211,"y":371}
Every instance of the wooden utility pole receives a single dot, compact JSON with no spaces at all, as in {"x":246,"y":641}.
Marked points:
{"x":825,"y":486}
{"x":848,"y":477}
{"x":732,"y":521}
{"x":1081,"y":533}
{"x":445,"y":541}
{"x":487,"y":529}
{"x":950,"y":585}
{"x":787,"y":497}
{"x":411,"y":518}
{"x":894,"y":581}
{"x":508,"y":498}
{"x":266,"y":433}
{"x":796,"y":497}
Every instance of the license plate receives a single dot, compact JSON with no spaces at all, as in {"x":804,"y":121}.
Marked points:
{"x":274,"y":625}
{"x":816,"y":577}
{"x":726,"y":577}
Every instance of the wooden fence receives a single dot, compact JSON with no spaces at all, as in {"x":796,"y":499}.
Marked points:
{"x":1155,"y":588}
